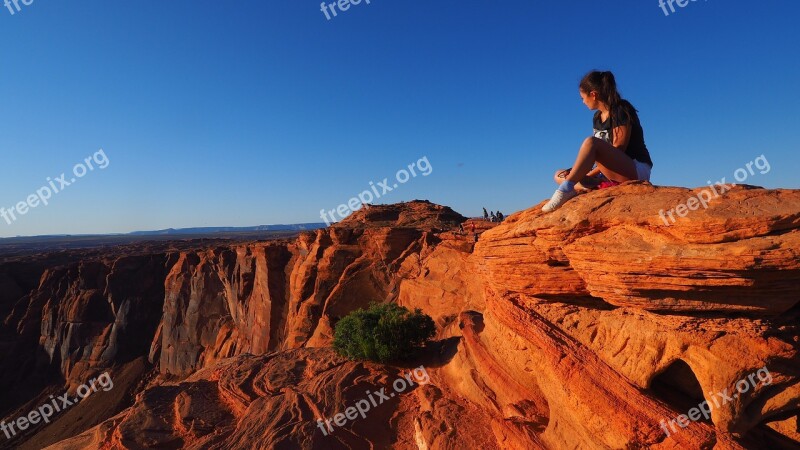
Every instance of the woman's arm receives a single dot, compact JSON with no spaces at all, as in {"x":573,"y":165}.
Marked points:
{"x":622,"y":137}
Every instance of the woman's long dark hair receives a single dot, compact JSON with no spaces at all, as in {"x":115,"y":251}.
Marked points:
{"x":605,"y":85}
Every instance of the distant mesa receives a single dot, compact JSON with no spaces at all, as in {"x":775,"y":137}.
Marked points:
{"x":212,"y":230}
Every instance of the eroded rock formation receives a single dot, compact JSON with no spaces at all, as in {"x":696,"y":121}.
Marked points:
{"x":591,"y":327}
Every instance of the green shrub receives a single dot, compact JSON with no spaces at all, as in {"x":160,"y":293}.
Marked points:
{"x":383,"y":333}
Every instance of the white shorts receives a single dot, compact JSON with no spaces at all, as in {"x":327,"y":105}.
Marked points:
{"x":642,"y":170}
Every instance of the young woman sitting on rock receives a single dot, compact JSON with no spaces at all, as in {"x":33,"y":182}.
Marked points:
{"x":616,"y":152}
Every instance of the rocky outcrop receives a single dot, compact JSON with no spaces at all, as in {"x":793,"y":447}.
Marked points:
{"x":739,"y":255}
{"x":592,"y":327}
{"x":356,"y":262}
{"x":623,"y":322}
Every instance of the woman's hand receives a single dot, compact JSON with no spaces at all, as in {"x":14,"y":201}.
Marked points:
{"x":594,"y":172}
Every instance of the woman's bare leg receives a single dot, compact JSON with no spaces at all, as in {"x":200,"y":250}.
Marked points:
{"x":613,"y":162}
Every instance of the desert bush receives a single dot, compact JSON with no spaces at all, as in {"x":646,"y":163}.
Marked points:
{"x":383,"y":333}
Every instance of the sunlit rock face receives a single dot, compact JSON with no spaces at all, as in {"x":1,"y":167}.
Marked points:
{"x":595,"y":326}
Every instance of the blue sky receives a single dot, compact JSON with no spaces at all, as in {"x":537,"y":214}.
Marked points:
{"x":257,"y":112}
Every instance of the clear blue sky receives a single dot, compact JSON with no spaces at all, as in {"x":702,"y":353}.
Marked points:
{"x":257,"y":112}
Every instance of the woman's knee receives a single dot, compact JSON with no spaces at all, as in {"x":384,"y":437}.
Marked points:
{"x":560,"y":175}
{"x":592,"y":141}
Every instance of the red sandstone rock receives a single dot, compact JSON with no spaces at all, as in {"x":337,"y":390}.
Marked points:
{"x":584,"y":328}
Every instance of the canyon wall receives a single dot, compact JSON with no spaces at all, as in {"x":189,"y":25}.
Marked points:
{"x":591,"y":327}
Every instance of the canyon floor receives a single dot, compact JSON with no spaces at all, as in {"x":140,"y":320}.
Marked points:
{"x":598,"y":326}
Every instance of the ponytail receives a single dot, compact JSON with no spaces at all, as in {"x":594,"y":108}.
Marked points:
{"x":605,"y":85}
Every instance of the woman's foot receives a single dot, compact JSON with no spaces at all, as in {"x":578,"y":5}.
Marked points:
{"x":558,"y":199}
{"x":564,"y":192}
